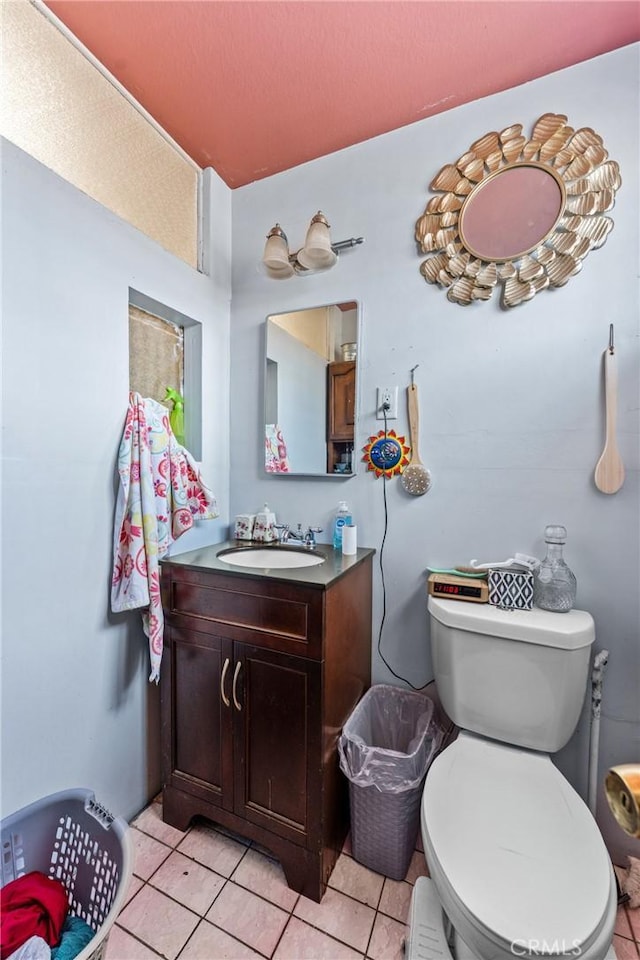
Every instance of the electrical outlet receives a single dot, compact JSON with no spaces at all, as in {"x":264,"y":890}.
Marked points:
{"x":387,"y":395}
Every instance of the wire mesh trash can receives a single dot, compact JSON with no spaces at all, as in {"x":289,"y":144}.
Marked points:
{"x":385,"y":749}
{"x":71,"y":837}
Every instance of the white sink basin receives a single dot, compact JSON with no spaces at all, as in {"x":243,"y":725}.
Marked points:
{"x":270,"y":558}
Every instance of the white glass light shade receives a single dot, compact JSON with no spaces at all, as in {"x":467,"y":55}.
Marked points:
{"x":276,"y":254}
{"x":317,"y":253}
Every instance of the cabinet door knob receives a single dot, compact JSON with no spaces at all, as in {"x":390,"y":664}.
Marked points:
{"x":225,"y":699}
{"x":236,"y":673}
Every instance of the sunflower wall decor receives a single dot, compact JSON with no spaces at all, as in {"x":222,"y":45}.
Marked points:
{"x":519,"y":212}
{"x":386,"y":453}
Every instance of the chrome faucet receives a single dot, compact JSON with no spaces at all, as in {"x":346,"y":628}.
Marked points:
{"x":310,"y":537}
{"x":285,"y":534}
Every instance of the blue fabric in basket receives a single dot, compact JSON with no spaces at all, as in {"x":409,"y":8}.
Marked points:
{"x":76,"y":934}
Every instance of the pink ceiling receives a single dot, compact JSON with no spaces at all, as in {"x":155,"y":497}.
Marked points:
{"x":252,"y":88}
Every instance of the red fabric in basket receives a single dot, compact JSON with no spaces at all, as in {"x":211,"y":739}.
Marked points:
{"x":32,"y":906}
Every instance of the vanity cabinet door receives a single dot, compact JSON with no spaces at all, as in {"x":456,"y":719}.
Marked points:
{"x":277,"y":740}
{"x":197,"y":722}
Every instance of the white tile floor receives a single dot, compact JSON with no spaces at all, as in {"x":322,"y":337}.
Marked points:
{"x":203,"y":895}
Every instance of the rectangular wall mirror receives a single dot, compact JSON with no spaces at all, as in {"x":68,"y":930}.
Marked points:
{"x":311,"y":360}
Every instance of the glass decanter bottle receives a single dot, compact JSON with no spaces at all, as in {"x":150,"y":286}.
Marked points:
{"x":554,"y":585}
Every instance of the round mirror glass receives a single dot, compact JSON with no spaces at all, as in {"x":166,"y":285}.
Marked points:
{"x":510,"y":213}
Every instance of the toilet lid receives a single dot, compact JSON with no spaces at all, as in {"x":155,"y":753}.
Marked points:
{"x":517,"y":845}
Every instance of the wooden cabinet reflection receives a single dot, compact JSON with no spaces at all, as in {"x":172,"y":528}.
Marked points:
{"x":341,"y":403}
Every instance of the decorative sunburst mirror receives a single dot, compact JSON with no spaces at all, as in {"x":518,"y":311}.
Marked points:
{"x":517,"y":212}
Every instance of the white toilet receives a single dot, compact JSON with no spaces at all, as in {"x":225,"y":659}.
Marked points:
{"x":517,"y":863}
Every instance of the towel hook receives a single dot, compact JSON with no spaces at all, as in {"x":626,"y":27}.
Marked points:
{"x":413,"y":369}
{"x":611,"y":351}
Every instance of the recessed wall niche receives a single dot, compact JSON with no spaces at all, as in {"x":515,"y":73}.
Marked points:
{"x":165,"y":350}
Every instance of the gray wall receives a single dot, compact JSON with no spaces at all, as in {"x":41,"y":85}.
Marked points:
{"x":512,"y":401}
{"x":76,"y":705}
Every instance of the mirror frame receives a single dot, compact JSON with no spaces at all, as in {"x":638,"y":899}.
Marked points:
{"x":359,"y":328}
{"x":579,"y":162}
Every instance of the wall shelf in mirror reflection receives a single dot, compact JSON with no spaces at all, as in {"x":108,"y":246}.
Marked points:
{"x":310,"y":390}
{"x":517,"y":212}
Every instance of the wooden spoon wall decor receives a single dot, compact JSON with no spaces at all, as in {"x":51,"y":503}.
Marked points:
{"x":415,"y":478}
{"x":609,"y":473}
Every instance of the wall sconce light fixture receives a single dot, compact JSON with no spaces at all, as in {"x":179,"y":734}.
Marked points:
{"x":318,"y":253}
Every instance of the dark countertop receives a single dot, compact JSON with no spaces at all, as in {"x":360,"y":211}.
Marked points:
{"x":322,"y":575}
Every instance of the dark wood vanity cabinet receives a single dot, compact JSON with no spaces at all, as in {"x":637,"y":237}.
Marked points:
{"x":258,"y":677}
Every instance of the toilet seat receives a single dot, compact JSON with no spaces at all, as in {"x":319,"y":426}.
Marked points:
{"x":518,"y":860}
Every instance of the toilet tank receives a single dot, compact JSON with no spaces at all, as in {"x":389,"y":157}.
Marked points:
{"x":517,"y":676}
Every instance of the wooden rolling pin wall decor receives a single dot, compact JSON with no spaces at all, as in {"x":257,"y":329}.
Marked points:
{"x":609,"y":474}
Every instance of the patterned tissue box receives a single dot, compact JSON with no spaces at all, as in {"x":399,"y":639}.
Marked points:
{"x":511,"y":589}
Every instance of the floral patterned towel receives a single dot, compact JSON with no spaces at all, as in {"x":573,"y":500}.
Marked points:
{"x":276,"y":459}
{"x":160,"y":494}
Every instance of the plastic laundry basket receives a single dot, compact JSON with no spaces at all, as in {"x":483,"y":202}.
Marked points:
{"x":73,"y":838}
{"x":385,"y":749}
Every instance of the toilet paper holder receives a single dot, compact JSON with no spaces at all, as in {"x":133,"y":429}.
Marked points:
{"x":622,"y":789}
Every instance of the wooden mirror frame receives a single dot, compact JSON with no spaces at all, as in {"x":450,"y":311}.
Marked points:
{"x":577,"y":159}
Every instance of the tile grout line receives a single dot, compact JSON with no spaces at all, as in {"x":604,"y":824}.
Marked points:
{"x":244,"y":943}
{"x":632,"y":938}
{"x":180,"y":903}
{"x":284,"y":930}
{"x":269,"y":903}
{"x":364,"y":904}
{"x":333,"y":936}
{"x":634,"y":942}
{"x":147,"y":883}
{"x":254,"y":892}
{"x":155,"y":869}
{"x":138,"y":939}
{"x":162,"y":893}
{"x":291,"y":913}
{"x":373,"y":926}
{"x":202,"y":917}
{"x":313,"y":926}
{"x":625,"y":907}
{"x":375,"y":917}
{"x":186,"y":855}
{"x":190,"y":937}
{"x":377,"y":910}
{"x":234,"y":936}
{"x":227,"y":933}
{"x":249,"y":846}
{"x":216,"y":874}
